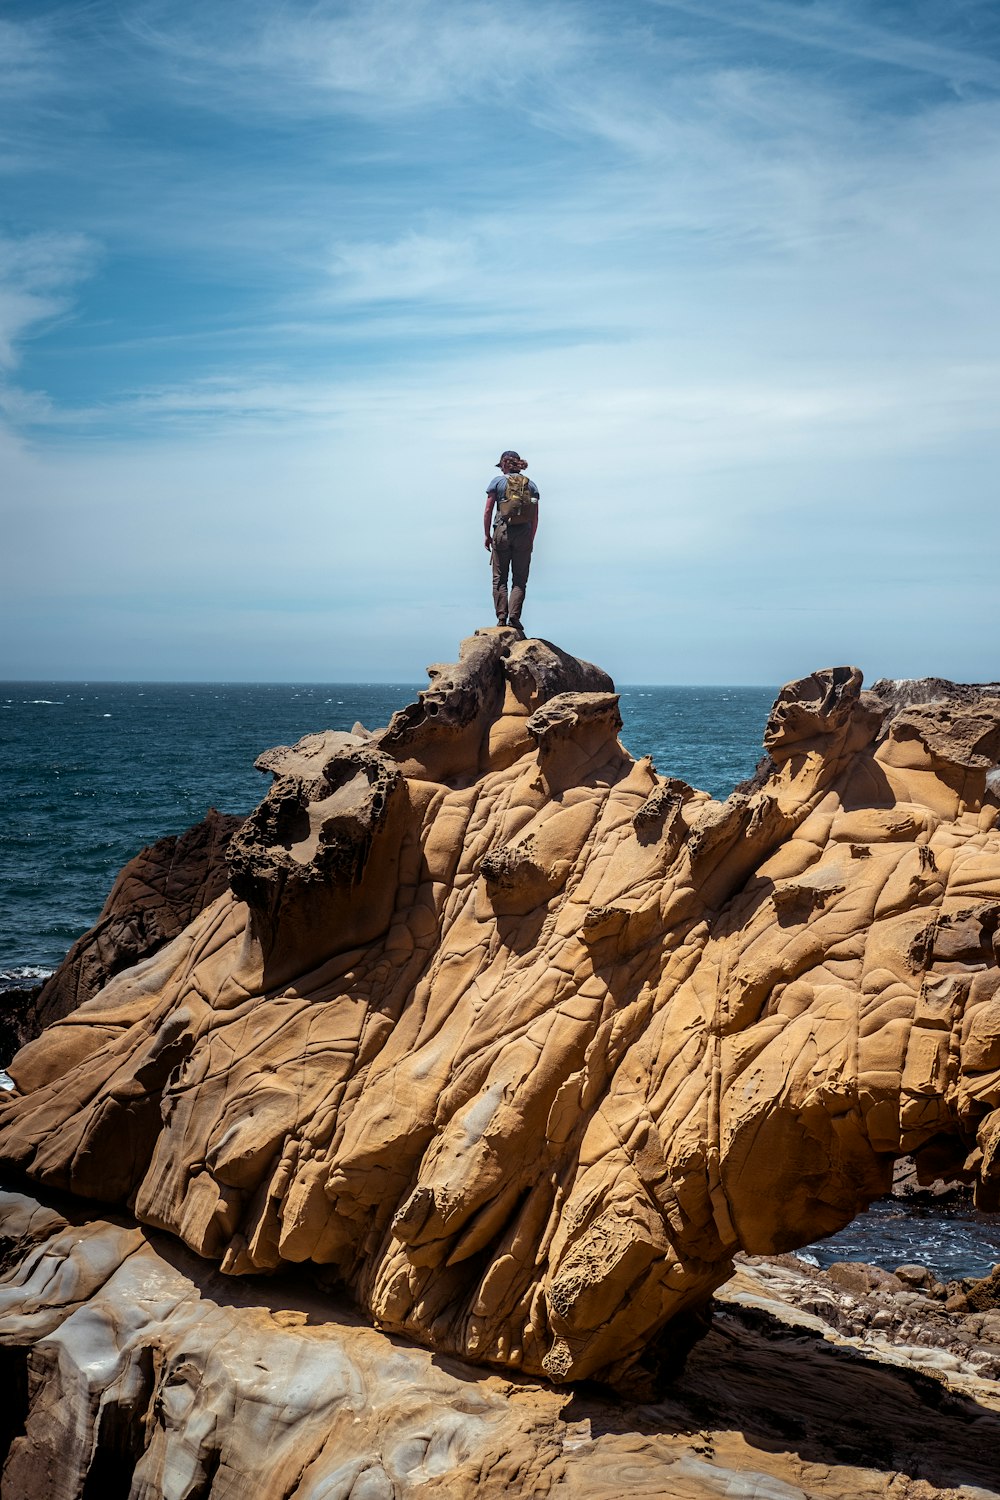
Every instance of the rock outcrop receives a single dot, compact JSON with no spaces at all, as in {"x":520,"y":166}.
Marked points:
{"x":132,"y":1368}
{"x":18,"y":1019}
{"x":154,"y":898}
{"x":521,"y":1043}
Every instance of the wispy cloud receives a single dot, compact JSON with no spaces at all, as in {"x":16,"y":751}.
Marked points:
{"x":732,"y":265}
{"x":842,"y":31}
{"x":37,"y":275}
{"x":418,"y":265}
{"x":27,"y":61}
{"x":386,"y":55}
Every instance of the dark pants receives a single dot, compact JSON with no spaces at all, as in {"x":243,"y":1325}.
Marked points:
{"x":511,"y":556}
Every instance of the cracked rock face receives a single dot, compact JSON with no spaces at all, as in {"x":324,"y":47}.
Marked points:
{"x":522,"y":1043}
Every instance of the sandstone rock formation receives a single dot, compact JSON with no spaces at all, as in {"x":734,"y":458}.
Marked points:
{"x":154,"y":898}
{"x":131,"y":1368}
{"x":521,"y":1043}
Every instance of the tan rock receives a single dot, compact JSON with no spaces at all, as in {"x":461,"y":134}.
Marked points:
{"x":154,"y":898}
{"x":521,"y":1043}
{"x":132,"y":1368}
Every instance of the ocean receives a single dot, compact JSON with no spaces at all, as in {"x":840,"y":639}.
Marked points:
{"x":93,"y":772}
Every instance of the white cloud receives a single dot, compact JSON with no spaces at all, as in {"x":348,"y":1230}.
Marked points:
{"x":383,"y":55}
{"x":37,"y":274}
{"x":716,"y":534}
{"x":839,"y":29}
{"x":416,"y":266}
{"x":743,"y":299}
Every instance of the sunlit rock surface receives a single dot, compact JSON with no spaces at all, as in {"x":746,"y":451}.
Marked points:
{"x":131,"y":1367}
{"x":520,"y":1043}
{"x":154,"y":898}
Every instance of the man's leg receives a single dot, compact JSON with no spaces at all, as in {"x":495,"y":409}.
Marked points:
{"x":520,"y":559}
{"x":501,"y":567}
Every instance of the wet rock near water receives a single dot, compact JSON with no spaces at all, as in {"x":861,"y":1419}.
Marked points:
{"x":903,"y":1310}
{"x":983,"y":1295}
{"x":902,"y":693}
{"x":917,"y":1186}
{"x":18,"y":1019}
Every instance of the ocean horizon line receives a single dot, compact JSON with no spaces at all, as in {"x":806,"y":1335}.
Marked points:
{"x":255,"y":682}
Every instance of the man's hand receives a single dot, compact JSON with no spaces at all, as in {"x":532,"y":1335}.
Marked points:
{"x":488,"y":545}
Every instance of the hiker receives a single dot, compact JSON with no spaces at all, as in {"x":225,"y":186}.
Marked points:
{"x":516,"y":499}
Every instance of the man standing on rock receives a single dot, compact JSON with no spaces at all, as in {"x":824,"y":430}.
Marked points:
{"x":516,"y":499}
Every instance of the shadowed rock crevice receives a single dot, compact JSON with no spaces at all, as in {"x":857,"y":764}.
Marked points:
{"x":14,"y":1406}
{"x":522,"y":1043}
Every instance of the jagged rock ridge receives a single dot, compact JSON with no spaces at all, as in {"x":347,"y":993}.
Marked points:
{"x":522,"y":1042}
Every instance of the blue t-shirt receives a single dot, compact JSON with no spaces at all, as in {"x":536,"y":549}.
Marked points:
{"x":497,"y":488}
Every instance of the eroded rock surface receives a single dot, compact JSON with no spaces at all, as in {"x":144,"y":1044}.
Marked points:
{"x":132,"y":1368}
{"x":154,"y":898}
{"x":522,"y":1043}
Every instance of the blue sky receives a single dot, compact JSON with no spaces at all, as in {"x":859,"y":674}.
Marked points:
{"x":279,"y":281}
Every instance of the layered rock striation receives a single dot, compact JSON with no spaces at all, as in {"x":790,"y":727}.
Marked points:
{"x":130,"y":1366}
{"x":521,"y":1042}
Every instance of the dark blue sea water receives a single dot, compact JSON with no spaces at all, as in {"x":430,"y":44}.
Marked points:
{"x":952,"y":1239}
{"x":93,"y":772}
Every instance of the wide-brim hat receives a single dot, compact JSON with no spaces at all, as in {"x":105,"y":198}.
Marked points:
{"x":509,"y":454}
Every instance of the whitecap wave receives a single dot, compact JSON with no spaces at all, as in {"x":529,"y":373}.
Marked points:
{"x":30,"y":973}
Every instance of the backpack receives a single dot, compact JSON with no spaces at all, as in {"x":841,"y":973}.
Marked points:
{"x":518,"y":503}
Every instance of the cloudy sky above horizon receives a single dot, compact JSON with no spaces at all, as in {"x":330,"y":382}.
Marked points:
{"x":279,"y":281}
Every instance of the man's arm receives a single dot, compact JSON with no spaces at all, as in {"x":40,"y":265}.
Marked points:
{"x":534,"y":513}
{"x":487,"y":518}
